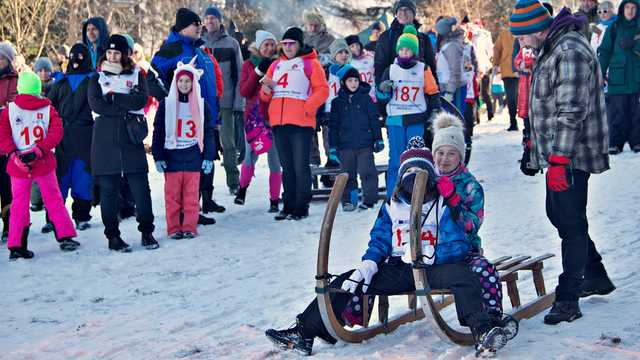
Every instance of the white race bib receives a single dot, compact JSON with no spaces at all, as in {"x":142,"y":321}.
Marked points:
{"x":334,"y":87}
{"x":186,"y":128}
{"x":408,"y":90}
{"x":364,"y":65}
{"x":400,"y":214}
{"x":28,"y":127}
{"x":290,"y":79}
{"x":120,"y":84}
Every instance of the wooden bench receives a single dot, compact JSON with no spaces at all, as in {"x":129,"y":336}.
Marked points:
{"x":323,"y":194}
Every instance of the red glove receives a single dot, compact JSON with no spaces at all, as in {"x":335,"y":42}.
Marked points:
{"x":557,"y":173}
{"x":447,"y":189}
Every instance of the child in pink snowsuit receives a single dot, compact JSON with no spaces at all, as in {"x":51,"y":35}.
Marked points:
{"x":183,"y":145}
{"x":30,"y":129}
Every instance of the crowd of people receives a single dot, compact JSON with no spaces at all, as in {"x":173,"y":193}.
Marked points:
{"x":84,"y":119}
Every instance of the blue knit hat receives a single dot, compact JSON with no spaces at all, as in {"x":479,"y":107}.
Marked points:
{"x":212,"y":10}
{"x":529,"y":17}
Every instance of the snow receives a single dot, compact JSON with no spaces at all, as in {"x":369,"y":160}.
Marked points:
{"x":213,"y":297}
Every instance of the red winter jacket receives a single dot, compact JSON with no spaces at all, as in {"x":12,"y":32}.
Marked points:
{"x":8,"y":84}
{"x":250,"y":89}
{"x":47,"y":163}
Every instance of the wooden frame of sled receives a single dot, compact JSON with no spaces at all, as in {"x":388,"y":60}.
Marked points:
{"x":508,"y":267}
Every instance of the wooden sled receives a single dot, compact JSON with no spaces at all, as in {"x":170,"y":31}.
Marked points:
{"x":508,"y":267}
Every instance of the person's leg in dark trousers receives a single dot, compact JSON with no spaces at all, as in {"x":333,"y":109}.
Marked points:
{"x":126,"y":202}
{"x":285,"y":153}
{"x":634,"y":121}
{"x":618,"y":118}
{"x":397,"y":279}
{"x":486,"y":96}
{"x":368,"y":176}
{"x":314,"y":157}
{"x":348,"y":164}
{"x":139,"y":184}
{"x":300,"y":146}
{"x":238,"y":117}
{"x":511,"y":88}
{"x":567,"y":211}
{"x":109,"y":192}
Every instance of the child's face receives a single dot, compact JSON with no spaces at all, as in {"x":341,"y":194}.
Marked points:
{"x":447,"y":158}
{"x":342,"y":57}
{"x":355,"y":49}
{"x":352,"y":83}
{"x":405,"y":53}
{"x":184,"y":84}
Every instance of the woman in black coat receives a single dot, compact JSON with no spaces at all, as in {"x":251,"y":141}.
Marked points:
{"x":117,"y":94}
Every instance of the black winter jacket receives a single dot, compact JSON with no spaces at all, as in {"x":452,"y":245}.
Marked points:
{"x":353,"y":122}
{"x":112,"y":152}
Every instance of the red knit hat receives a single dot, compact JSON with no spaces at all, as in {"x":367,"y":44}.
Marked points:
{"x":184,"y":72}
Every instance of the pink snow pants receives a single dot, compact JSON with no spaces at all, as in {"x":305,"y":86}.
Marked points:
{"x":181,"y":191}
{"x":52,"y":197}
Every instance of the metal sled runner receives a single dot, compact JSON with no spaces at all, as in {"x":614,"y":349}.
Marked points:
{"x":508,"y":267}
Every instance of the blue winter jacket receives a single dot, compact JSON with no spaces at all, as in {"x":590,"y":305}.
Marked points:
{"x":353,"y":122}
{"x":453,"y":245}
{"x":178,"y":48}
{"x":179,"y":160}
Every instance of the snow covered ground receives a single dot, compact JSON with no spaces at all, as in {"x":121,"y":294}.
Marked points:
{"x":212,"y":297}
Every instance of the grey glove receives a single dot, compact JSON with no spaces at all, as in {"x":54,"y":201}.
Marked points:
{"x":386,"y":86}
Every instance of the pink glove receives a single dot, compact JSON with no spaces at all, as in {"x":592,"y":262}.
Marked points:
{"x":447,"y":189}
{"x":16,"y":160}
{"x":39,"y":152}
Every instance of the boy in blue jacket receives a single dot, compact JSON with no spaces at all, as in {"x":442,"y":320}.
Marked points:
{"x":354,"y":135}
{"x":386,"y":270}
{"x":183,"y":145}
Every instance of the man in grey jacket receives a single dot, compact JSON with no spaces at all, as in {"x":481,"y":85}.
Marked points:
{"x":570,"y":138}
{"x":227,"y":51}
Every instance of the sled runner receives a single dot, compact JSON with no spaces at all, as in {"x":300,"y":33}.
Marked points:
{"x":432,"y":300}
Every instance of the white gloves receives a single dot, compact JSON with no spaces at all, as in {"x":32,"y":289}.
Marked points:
{"x":448,"y":96}
{"x":365,"y":272}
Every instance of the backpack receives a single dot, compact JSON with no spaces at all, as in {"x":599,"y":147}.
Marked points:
{"x":258,"y":134}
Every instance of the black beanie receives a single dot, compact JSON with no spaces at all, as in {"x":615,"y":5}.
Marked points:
{"x":119,"y":42}
{"x":353,"y":39}
{"x":184,"y":18}
{"x":294,"y":33}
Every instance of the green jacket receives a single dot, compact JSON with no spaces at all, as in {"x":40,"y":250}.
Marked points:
{"x":623,"y":64}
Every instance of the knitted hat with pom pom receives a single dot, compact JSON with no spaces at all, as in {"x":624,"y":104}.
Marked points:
{"x":448,"y":130}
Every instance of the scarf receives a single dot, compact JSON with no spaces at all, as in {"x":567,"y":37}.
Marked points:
{"x":113,"y":68}
{"x":171,"y":106}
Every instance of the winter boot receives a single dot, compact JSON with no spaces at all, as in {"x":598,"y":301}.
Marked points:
{"x":614,"y":150}
{"x":177,"y":236}
{"x":467,"y":154}
{"x":563,"y":311}
{"x":117,"y":244}
{"x":149,"y":242}
{"x":22,"y":251}
{"x":508,"y":323}
{"x":82,"y":225}
{"x":487,"y":343}
{"x":188,"y":235}
{"x":348,"y":207}
{"x":596,"y":286}
{"x":240,"y":196}
{"x":47,"y":228}
{"x":365,"y":206}
{"x":282,"y":215}
{"x":36,"y":207}
{"x":68,"y":244}
{"x":291,"y":339}
{"x":203,"y":220}
{"x":208,"y":205}
{"x":636,"y":148}
{"x":273,"y":206}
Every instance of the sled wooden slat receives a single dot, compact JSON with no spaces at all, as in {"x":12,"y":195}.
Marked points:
{"x":432,"y":301}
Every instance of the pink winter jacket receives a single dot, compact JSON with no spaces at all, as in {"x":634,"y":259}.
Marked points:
{"x":47,"y":163}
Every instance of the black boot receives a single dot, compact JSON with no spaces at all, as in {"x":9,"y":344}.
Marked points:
{"x":149,"y":242}
{"x":596,"y":286}
{"x":282,"y":215}
{"x":203,"y":220}
{"x":240,"y":196}
{"x":47,"y":228}
{"x":273,"y":206}
{"x":563,"y":311}
{"x":21,"y":251}
{"x":68,"y":244}
{"x":208,"y":205}
{"x":117,"y":244}
{"x":291,"y":339}
{"x":488,"y":342}
{"x":508,"y":323}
